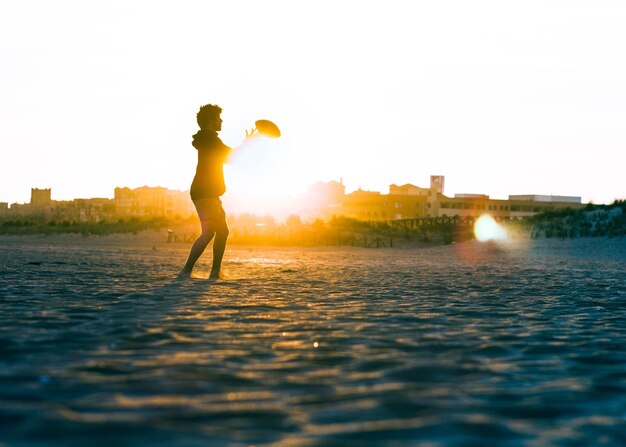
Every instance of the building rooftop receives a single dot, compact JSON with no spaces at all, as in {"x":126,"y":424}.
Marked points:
{"x":471,"y":196}
{"x":545,"y":198}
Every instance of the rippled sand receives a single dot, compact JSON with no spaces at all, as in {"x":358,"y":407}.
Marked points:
{"x":467,"y":345}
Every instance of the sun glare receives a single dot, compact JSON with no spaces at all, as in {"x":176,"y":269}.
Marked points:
{"x":487,"y":229}
{"x":262,"y":179}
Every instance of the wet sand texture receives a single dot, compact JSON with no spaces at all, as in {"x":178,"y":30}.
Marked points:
{"x":462,"y":345}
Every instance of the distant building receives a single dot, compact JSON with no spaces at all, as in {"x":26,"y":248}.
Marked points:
{"x":476,"y":205}
{"x":18,"y":210}
{"x":364,"y":205}
{"x":409,"y":201}
{"x":471,"y":196}
{"x":152,"y":201}
{"x":40,"y":203}
{"x":436,"y":184}
{"x":324,"y":199}
{"x":551,"y":199}
{"x":178,"y":204}
{"x":371,"y":205}
{"x":94,"y":210}
{"x":139,"y":202}
{"x":40,"y":197}
{"x":408,"y":190}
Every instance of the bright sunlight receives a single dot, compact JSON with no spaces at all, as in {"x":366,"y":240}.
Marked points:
{"x":487,"y":229}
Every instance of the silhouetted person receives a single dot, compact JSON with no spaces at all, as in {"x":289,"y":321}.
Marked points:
{"x":207,"y":188}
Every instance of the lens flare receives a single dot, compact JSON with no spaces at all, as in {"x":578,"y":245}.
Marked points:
{"x":487,"y":229}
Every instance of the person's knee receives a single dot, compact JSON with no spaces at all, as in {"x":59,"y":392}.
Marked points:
{"x":222,"y":231}
{"x":206,"y":237}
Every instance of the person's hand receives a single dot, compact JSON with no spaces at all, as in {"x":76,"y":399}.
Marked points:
{"x":252,"y":133}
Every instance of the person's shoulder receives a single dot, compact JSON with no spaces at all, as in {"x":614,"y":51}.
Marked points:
{"x":204,"y":141}
{"x":222,"y":145}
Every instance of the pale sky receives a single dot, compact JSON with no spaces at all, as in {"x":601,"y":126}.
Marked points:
{"x":501,"y":97}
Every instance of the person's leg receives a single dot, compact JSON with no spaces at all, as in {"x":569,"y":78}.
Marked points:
{"x":219,"y":246}
{"x":200,"y":244}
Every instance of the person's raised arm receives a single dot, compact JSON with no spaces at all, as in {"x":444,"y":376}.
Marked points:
{"x":251,"y":135}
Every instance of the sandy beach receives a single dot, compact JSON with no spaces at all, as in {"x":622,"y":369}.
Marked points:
{"x":460,"y":345}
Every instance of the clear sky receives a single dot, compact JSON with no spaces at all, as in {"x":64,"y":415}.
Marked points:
{"x":501,"y":97}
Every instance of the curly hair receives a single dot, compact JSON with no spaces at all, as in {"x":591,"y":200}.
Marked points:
{"x":207,"y":113}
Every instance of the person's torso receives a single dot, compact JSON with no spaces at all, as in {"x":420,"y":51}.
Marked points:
{"x":209,"y":178}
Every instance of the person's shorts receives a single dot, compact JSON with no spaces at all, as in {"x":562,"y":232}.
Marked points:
{"x":210,"y":211}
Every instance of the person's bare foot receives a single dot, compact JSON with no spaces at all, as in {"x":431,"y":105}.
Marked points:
{"x":219,"y":276}
{"x":184,"y":274}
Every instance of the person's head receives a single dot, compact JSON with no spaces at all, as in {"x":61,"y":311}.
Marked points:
{"x":208,"y":117}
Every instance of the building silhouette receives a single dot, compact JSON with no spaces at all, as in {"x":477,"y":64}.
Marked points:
{"x":409,"y":202}
{"x":323,"y":200}
{"x":40,"y":198}
{"x":152,"y":202}
{"x":139,"y":202}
